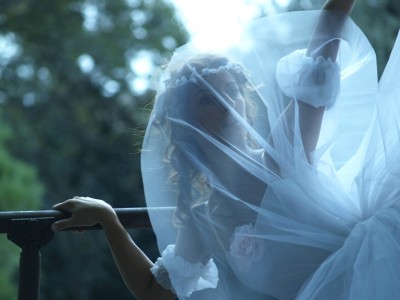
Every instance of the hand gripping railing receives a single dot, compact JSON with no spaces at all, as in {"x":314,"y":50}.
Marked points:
{"x":31,"y":231}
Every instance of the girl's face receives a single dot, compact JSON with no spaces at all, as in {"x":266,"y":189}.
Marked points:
{"x":214,"y":113}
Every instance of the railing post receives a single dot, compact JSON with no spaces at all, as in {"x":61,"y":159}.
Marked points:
{"x":31,"y":235}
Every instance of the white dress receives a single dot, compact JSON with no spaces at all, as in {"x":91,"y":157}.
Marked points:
{"x":291,"y":229}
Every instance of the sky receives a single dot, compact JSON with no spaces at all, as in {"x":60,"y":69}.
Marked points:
{"x":220,"y":18}
{"x":215,"y":22}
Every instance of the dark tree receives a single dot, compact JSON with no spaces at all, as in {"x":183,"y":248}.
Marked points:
{"x":73,"y":88}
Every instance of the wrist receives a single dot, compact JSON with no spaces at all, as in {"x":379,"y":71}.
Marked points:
{"x":107,"y":216}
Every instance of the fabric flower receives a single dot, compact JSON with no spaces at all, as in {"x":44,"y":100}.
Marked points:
{"x":313,"y":81}
{"x":246,"y":247}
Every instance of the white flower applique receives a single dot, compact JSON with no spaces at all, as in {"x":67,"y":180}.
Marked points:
{"x":246,"y":247}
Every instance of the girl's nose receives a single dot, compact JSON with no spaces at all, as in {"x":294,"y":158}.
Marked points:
{"x":229,"y":100}
{"x":221,"y":103}
{"x":222,"y":106}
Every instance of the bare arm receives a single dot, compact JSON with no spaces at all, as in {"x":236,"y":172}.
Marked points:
{"x":329,"y":25}
{"x":324,"y":42}
{"x":309,"y":116}
{"x":132,"y":263}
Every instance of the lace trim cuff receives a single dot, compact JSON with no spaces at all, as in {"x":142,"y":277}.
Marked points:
{"x":313,"y":81}
{"x":183,"y":278}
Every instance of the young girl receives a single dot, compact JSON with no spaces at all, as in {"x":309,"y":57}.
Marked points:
{"x":278,"y":183}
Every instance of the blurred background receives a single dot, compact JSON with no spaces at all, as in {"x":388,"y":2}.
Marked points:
{"x":75,"y":78}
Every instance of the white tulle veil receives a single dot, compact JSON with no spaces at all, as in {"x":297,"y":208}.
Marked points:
{"x":267,"y":215}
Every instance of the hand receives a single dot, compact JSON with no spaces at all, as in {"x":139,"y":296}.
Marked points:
{"x":85,"y":212}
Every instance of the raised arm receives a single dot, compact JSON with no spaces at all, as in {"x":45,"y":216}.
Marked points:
{"x":324,"y":42}
{"x":329,"y":25}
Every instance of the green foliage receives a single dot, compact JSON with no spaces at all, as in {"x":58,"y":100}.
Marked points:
{"x":19,"y":190}
{"x":69,"y":89}
{"x":19,"y":187}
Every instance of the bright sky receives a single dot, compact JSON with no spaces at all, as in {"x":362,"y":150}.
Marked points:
{"x":219,"y":21}
{"x":215,"y":22}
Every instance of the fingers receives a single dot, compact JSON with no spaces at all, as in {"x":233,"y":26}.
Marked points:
{"x":66,"y":205}
{"x":69,"y":205}
{"x":62,"y":224}
{"x":85,"y":212}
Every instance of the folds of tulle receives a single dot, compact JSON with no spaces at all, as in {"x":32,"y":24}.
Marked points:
{"x":326,"y":230}
{"x":365,"y":267}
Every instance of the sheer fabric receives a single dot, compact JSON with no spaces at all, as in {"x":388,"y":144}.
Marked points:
{"x":314,"y":81}
{"x":224,"y":150}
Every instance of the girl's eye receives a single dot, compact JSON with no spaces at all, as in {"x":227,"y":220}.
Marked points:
{"x":206,"y":99}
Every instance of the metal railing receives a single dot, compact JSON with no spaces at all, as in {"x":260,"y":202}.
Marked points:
{"x":31,"y":231}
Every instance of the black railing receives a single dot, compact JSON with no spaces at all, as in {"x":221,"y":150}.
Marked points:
{"x":31,"y":231}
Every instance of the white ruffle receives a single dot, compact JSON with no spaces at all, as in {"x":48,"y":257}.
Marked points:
{"x":313,"y":81}
{"x":185,"y":277}
{"x":161,"y":274}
